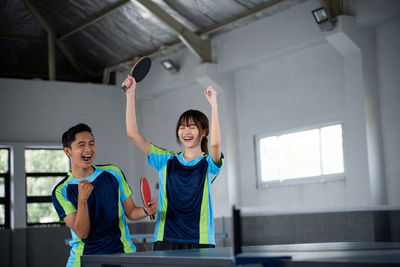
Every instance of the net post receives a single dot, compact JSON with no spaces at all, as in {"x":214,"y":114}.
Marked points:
{"x":237,"y":235}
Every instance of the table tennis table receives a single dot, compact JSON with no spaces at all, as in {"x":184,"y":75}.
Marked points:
{"x":343,"y":254}
{"x":326,"y":254}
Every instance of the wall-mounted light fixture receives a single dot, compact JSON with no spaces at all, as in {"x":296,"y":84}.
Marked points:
{"x":323,"y":16}
{"x":320,"y":15}
{"x":169,"y":65}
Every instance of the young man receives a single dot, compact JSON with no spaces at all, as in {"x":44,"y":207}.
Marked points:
{"x":94,"y":200}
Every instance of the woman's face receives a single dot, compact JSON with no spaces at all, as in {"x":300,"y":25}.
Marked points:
{"x":189,"y":135}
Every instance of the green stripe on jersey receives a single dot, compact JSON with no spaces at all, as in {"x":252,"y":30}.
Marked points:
{"x":78,"y":253}
{"x":160,"y":234}
{"x":203,"y":231}
{"x":66,"y":205}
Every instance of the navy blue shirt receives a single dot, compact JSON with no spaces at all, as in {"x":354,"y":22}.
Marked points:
{"x":185,"y":213}
{"x":109,"y":232}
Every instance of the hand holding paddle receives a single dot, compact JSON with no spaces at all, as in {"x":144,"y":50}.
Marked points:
{"x":146,"y":194}
{"x":138,"y":71}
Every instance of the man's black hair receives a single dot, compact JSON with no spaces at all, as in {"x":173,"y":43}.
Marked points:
{"x":69,"y":136}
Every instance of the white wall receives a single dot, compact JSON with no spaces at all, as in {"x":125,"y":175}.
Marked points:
{"x":305,"y":88}
{"x":388,"y":43}
{"x":289,"y":74}
{"x":37,"y":112}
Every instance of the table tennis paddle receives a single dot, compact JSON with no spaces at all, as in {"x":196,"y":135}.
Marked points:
{"x":146,"y":194}
{"x":139,"y":70}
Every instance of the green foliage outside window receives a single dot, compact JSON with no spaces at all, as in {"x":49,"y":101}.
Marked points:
{"x":43,"y":161}
{"x":3,"y":169}
{"x":41,"y":213}
{"x":3,"y":160}
{"x":2,"y":212}
{"x":41,"y":186}
{"x":2,"y":187}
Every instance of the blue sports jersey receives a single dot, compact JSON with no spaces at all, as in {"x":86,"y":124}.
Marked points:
{"x":109,"y":232}
{"x":185,"y":213}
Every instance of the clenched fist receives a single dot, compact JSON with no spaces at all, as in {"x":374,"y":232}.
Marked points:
{"x":84,"y":190}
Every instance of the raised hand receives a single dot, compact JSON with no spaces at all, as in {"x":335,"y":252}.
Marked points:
{"x":130,"y":84}
{"x":211,"y":95}
{"x":215,"y":136}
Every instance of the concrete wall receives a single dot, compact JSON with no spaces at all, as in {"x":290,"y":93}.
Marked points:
{"x":388,"y":42}
{"x":34,"y":112}
{"x":278,"y":74}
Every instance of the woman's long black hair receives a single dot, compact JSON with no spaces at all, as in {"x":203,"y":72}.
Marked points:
{"x":201,"y":121}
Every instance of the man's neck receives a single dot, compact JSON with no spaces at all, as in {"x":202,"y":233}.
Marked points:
{"x":81,"y":173}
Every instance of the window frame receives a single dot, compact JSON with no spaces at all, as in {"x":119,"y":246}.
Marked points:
{"x":6,"y":200}
{"x":299,"y":180}
{"x":40,"y":199}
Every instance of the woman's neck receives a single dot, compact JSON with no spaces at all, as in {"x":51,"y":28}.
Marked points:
{"x":191,"y":153}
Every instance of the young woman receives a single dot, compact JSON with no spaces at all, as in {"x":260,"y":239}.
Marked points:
{"x":185,"y":216}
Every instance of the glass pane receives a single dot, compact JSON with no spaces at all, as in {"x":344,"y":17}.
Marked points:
{"x":41,"y":213}
{"x":41,"y":186}
{"x":2,"y":187}
{"x":46,"y":160}
{"x":4,"y":160}
{"x":299,"y":154}
{"x":332,"y":149}
{"x":269,"y":158}
{"x":2,"y":215}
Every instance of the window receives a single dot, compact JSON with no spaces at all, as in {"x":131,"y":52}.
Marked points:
{"x":308,"y":155}
{"x":4,"y":188}
{"x":44,"y":169}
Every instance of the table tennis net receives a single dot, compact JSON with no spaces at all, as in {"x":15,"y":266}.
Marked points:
{"x":255,"y":228}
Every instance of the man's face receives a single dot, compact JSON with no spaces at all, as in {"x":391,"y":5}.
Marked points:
{"x":82,"y":151}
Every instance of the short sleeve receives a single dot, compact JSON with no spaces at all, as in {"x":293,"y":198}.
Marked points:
{"x":61,"y":203}
{"x":126,"y":190}
{"x":158,"y":157}
{"x":213,"y":168}
{"x":123,"y":184}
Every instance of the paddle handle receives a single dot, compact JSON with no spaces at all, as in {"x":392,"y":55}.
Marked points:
{"x":151,"y":216}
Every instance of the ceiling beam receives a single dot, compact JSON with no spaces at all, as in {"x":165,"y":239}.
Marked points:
{"x":51,"y":43}
{"x":70,"y":57}
{"x":208,"y":30}
{"x":92,"y":20}
{"x":166,"y":5}
{"x":253,"y":11}
{"x":201,"y":48}
{"x":50,"y":39}
{"x":22,"y":37}
{"x":64,"y":49}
